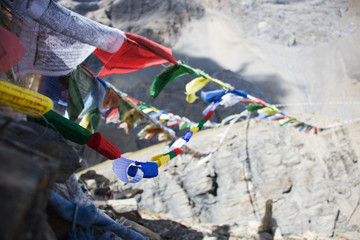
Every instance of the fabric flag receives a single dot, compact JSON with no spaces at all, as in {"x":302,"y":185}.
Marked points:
{"x":95,"y":99}
{"x":67,"y":128}
{"x":161,"y":159}
{"x":150,"y":131}
{"x":254,"y":106}
{"x":137,"y":52}
{"x":150,"y":169}
{"x":111,"y":100}
{"x":146,"y":108}
{"x":91,"y":121}
{"x":211,"y":96}
{"x":11,"y":50}
{"x":120,"y":168}
{"x":55,"y":88}
{"x":95,"y":120}
{"x":113,"y":116}
{"x":172,"y":72}
{"x":133,"y":100}
{"x":81,"y":82}
{"x":269,"y":110}
{"x":89,"y":216}
{"x":282,"y":122}
{"x":103,"y":146}
{"x":230,"y":99}
{"x":131,"y":118}
{"x":23,"y":100}
{"x":56,"y":39}
{"x":193,"y":87}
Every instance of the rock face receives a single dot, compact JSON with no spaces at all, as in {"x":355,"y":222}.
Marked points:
{"x":312,"y":180}
{"x":162,"y":25}
{"x":32,"y":159}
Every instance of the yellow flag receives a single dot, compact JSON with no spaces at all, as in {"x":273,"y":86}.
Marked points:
{"x":23,"y":100}
{"x":269,"y":110}
{"x":149,"y":110}
{"x":165,"y":116}
{"x":194,"y":129}
{"x":164,"y":159}
{"x":220,"y":83}
{"x":85,"y":121}
{"x":194,"y":86}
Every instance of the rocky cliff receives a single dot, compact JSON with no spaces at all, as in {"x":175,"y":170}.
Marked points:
{"x":312,"y":180}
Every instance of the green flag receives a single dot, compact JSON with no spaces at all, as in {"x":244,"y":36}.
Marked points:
{"x":80,"y":84}
{"x":67,"y":128}
{"x":95,"y":120}
{"x":254,"y":106}
{"x":170,"y":73}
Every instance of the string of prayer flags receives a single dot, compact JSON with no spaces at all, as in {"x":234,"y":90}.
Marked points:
{"x":136,"y":52}
{"x":23,"y":100}
{"x":170,"y":73}
{"x":103,"y":146}
{"x":56,"y":39}
{"x":11,"y":50}
{"x":175,"y":71}
{"x":125,"y":168}
{"x":67,"y":128}
{"x":132,"y":113}
{"x":228,"y":95}
{"x":75,"y":133}
{"x":176,"y":147}
{"x":161,"y":159}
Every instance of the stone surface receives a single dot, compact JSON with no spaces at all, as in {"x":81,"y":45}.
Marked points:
{"x":31,"y":161}
{"x":46,"y":141}
{"x":309,"y":180}
{"x":119,"y":205}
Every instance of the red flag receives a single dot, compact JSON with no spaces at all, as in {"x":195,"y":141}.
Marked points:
{"x":11,"y":50}
{"x":136,"y":52}
{"x":103,"y":146}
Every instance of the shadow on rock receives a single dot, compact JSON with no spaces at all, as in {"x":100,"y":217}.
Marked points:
{"x":168,"y":229}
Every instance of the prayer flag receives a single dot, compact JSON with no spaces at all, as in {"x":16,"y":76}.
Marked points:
{"x":230,"y":99}
{"x":103,"y":146}
{"x":193,"y":87}
{"x":254,"y":106}
{"x":67,"y":128}
{"x":55,"y":88}
{"x":11,"y":50}
{"x":23,"y":100}
{"x":170,"y":73}
{"x":56,"y":39}
{"x":81,"y":82}
{"x":111,"y":100}
{"x":136,"y":52}
{"x":95,"y":99}
{"x":120,"y":168}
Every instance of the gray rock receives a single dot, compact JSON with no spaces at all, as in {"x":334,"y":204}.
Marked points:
{"x":32,"y":158}
{"x":26,"y":177}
